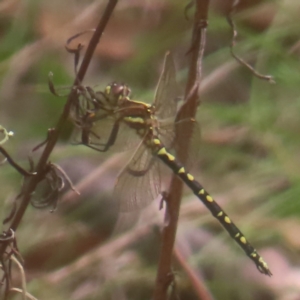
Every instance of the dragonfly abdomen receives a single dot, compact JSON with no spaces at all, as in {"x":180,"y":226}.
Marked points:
{"x":162,"y":153}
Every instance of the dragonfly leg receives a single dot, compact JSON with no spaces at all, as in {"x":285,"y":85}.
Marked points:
{"x":86,"y":133}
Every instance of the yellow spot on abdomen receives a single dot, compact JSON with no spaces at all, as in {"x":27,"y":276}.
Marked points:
{"x":170,"y":156}
{"x":243,"y":240}
{"x":190,"y":176}
{"x":220,"y":214}
{"x":227,"y":220}
{"x":162,"y":151}
{"x":181,"y":170}
{"x":201,"y":192}
{"x":209,"y":198}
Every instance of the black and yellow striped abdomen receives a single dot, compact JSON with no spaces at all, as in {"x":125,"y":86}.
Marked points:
{"x":162,"y":153}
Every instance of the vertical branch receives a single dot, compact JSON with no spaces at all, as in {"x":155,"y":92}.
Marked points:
{"x":188,"y":110}
{"x":41,"y":167}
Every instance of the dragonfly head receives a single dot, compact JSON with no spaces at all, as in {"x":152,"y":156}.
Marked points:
{"x":116,"y":92}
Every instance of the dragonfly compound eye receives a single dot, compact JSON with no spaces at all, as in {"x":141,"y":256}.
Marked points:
{"x":119,"y":90}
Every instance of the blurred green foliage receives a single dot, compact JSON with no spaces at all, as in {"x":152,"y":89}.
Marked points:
{"x":250,"y":148}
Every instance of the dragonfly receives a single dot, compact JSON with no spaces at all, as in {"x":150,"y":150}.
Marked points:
{"x":139,"y":182}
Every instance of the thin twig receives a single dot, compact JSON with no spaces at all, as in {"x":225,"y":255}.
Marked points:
{"x":29,"y":296}
{"x":188,"y":110}
{"x":199,"y":287}
{"x":23,"y":278}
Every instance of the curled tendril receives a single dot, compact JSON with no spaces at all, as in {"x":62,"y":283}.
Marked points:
{"x":49,"y":189}
{"x":76,"y":51}
{"x":7,"y":135}
{"x":234,"y":33}
{"x":7,"y":236}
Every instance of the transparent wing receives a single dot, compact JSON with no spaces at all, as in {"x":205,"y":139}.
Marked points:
{"x":166,"y":132}
{"x":138,"y":184}
{"x":166,"y":92}
{"x":194,"y":145}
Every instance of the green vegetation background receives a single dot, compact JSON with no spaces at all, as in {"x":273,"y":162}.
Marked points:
{"x":249,"y":156}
